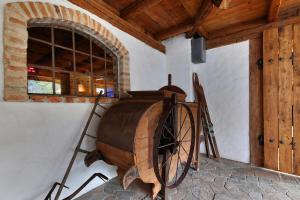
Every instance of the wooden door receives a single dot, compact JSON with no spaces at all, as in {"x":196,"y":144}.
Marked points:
{"x":281,"y":98}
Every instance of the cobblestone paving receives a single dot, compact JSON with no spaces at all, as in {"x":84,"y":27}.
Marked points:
{"x":223,"y":180}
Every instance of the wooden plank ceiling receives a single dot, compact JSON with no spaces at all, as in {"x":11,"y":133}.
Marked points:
{"x":152,"y":21}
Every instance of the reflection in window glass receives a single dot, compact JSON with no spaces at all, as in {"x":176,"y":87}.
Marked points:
{"x":82,"y":43}
{"x":39,"y":53}
{"x":64,"y":59}
{"x":69,"y":65}
{"x":41,"y":33}
{"x":63,"y":38}
{"x":43,"y":87}
{"x":65,"y":81}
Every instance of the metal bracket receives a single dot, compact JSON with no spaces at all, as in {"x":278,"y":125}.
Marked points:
{"x":292,"y":58}
{"x":293,"y":143}
{"x":260,"y":63}
{"x":261,"y":139}
{"x":48,"y":197}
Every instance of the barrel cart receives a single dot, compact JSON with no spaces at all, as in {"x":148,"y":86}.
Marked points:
{"x":148,"y":135}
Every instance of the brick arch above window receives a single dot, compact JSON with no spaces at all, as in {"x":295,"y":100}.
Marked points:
{"x":16,"y":19}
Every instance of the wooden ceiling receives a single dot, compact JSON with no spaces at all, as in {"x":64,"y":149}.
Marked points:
{"x":155,"y":20}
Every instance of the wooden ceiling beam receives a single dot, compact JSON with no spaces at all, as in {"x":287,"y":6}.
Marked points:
{"x":245,"y":31}
{"x":192,"y":11}
{"x":103,"y":4}
{"x":190,"y":26}
{"x":201,"y":31}
{"x":110,"y":16}
{"x":274,"y":10}
{"x":137,"y":7}
{"x":175,"y":30}
{"x":203,"y":12}
{"x":184,"y":27}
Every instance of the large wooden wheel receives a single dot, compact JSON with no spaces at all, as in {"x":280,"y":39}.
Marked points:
{"x":173,"y":146}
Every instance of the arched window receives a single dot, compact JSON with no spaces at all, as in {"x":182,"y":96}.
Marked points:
{"x":67,"y":62}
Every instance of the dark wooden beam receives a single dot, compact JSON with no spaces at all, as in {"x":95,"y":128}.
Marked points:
{"x":184,"y":27}
{"x":110,"y":16}
{"x":274,"y":10}
{"x":187,"y":26}
{"x":103,"y":4}
{"x":175,"y":30}
{"x":192,"y":11}
{"x":137,"y":7}
{"x":201,"y":31}
{"x":203,"y":12}
{"x":246,"y":31}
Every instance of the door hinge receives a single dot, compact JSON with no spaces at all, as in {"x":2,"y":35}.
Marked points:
{"x":293,"y":143}
{"x":261,"y":139}
{"x":260,"y":63}
{"x":292,"y":58}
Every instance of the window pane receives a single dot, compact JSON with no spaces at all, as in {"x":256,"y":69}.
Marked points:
{"x":84,"y":83}
{"x":63,"y":83}
{"x":99,"y":76}
{"x":81,"y":78}
{"x":111,"y":77}
{"x":63,"y":59}
{"x":63,"y":37}
{"x":42,"y":33}
{"x":83,"y":74}
{"x":98,"y":67}
{"x":39,"y":54}
{"x":110,"y":84}
{"x":82,"y":43}
{"x":39,"y":81}
{"x":99,"y":84}
{"x":83,"y":64}
{"x":98,"y":50}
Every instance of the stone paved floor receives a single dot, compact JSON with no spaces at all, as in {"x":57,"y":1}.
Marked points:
{"x":223,"y":180}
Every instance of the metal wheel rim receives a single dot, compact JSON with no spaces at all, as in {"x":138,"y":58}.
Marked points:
{"x":157,"y":137}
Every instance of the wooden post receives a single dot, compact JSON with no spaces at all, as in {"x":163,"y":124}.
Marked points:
{"x":256,"y":101}
{"x":296,"y":99}
{"x":270,"y":97}
{"x":285,"y":96}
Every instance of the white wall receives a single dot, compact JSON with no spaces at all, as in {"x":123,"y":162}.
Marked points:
{"x":225,"y":77}
{"x":37,"y":139}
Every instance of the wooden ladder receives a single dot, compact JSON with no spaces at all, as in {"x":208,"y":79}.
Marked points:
{"x":76,"y":151}
{"x":203,"y":118}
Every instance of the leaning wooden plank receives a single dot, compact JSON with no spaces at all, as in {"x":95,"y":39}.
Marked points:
{"x":256,"y":102}
{"x":270,"y":101}
{"x":285,"y":97}
{"x":296,"y":99}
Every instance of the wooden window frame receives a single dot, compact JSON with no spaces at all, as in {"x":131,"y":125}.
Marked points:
{"x":74,"y":51}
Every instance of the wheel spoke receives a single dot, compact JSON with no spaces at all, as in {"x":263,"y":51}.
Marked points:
{"x":180,"y":160}
{"x":185,"y":133}
{"x":167,"y":174}
{"x":184,"y":150}
{"x":166,"y":145}
{"x":169,"y":131}
{"x":181,"y":125}
{"x":177,"y":162}
{"x":185,"y":141}
{"x":165,"y":162}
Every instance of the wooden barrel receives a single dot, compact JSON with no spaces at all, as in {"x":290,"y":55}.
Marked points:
{"x":125,"y":137}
